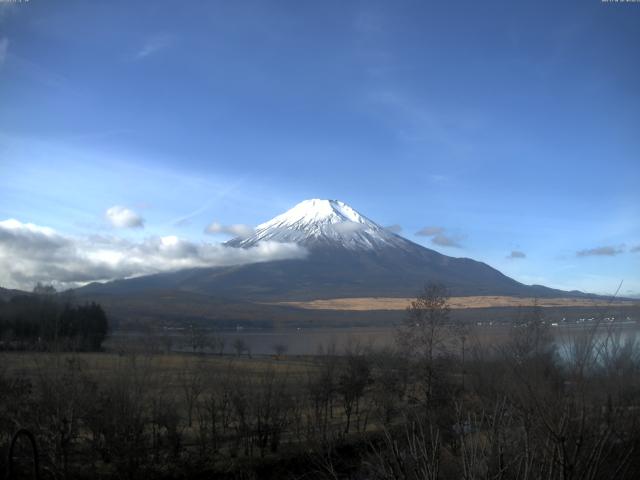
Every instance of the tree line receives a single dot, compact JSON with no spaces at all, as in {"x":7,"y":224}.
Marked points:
{"x":43,"y":320}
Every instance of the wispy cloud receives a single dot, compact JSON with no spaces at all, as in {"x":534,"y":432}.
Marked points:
{"x":122,"y":217}
{"x":608,"y":251}
{"x":395,"y":228}
{"x":440,"y":237}
{"x":515,"y":254}
{"x":219,"y":195}
{"x":236,"y":230}
{"x":153,"y":45}
{"x":446,"y":241}
{"x":30,"y":253}
{"x":438,"y":178}
{"x":430,"y":231}
{"x":636,"y":248}
{"x":415,"y":122}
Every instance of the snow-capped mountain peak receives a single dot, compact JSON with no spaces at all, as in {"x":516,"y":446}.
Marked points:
{"x":318,"y":211}
{"x":319,"y":222}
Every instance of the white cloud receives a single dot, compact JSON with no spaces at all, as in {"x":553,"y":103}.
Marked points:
{"x":445,"y":241}
{"x":237,"y":230}
{"x":30,"y":253}
{"x":430,"y":231}
{"x":121,"y":217}
{"x":516,"y":254}
{"x":607,"y":250}
{"x":153,"y":44}
{"x":395,"y":228}
{"x":440,"y":237}
{"x":4,"y":48}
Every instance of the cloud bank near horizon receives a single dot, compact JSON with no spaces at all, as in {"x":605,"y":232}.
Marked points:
{"x":32,"y":253}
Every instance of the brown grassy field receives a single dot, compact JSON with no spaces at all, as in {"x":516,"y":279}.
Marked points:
{"x":101,"y":366}
{"x":387,"y":303}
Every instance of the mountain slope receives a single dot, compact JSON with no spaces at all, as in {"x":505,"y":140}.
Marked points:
{"x":349,"y":256}
{"x":7,"y":294}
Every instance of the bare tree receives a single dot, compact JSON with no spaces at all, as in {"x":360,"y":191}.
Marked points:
{"x":354,"y":377}
{"x":280,"y":350}
{"x":321,"y":388}
{"x":192,"y":384}
{"x":425,"y":334}
{"x":390,"y":376}
{"x":218,"y":342}
{"x":530,"y":336}
{"x":200,"y":339}
{"x":116,"y":424}
{"x":167,"y":340}
{"x":64,"y":389}
{"x":412,"y":453}
{"x":240,"y":346}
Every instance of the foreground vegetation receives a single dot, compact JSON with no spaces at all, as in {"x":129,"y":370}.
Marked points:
{"x":438,"y":406}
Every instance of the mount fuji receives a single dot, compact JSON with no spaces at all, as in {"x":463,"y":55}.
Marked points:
{"x":323,"y":223}
{"x":349,"y":255}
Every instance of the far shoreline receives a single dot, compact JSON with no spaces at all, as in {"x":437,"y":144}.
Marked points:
{"x":455,"y":303}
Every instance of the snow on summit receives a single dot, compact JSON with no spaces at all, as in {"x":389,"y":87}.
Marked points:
{"x":318,"y":211}
{"x":319,"y":222}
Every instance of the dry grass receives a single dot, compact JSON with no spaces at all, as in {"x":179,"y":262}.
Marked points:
{"x":106,"y":365}
{"x":387,"y":303}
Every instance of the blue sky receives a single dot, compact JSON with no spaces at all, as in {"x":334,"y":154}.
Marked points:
{"x":511,"y":126}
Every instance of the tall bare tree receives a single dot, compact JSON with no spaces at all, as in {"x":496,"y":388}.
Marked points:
{"x":425,"y":333}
